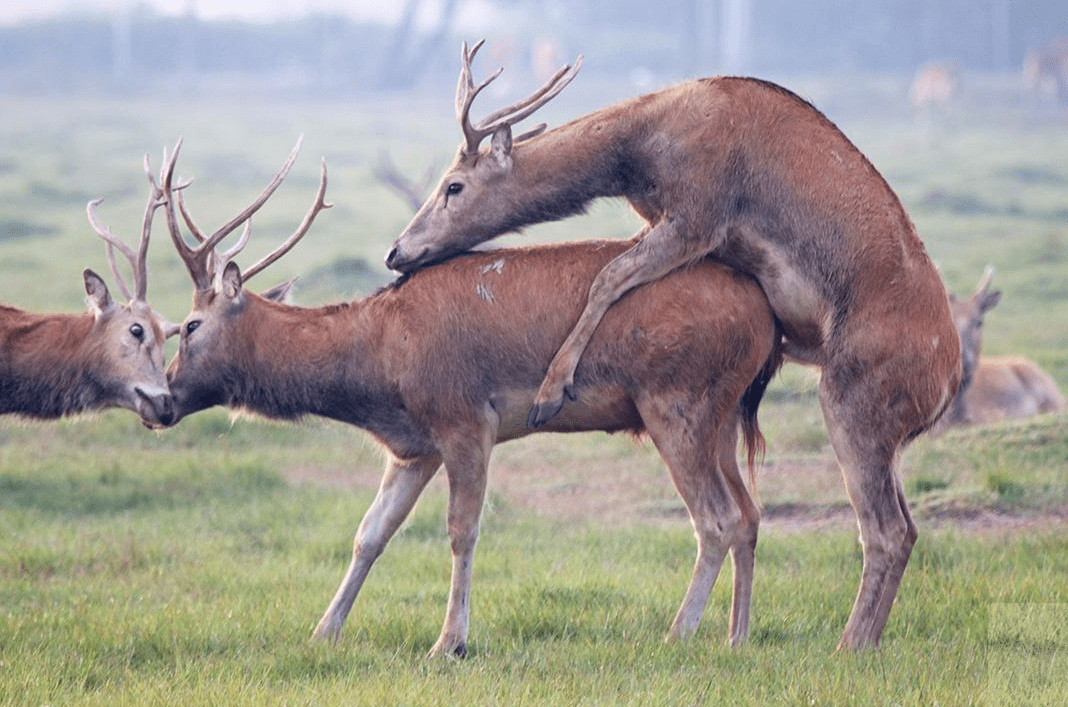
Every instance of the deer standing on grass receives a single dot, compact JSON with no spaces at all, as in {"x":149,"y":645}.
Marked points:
{"x":444,"y":364}
{"x":52,"y":365}
{"x":748,"y":173}
{"x":994,"y":389}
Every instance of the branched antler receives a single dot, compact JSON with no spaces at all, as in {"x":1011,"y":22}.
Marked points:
{"x":203,"y":260}
{"x":466,"y":91}
{"x":138,"y":260}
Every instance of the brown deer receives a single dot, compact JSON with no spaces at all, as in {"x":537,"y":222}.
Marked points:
{"x":994,"y":389}
{"x":747,"y":172}
{"x":442,"y":365}
{"x":52,"y":365}
{"x":1045,"y":70}
{"x":935,"y":86}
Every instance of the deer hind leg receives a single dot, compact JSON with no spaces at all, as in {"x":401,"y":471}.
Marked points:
{"x":743,"y":549}
{"x":868,"y":450}
{"x":657,"y":252}
{"x":688,"y":446}
{"x":401,"y":485}
{"x":466,"y":463}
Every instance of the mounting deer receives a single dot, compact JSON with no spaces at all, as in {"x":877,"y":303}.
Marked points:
{"x":994,"y":389}
{"x":444,"y":364}
{"x":748,"y":173}
{"x":52,"y":365}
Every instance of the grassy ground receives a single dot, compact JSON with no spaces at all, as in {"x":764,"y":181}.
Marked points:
{"x":190,"y":566}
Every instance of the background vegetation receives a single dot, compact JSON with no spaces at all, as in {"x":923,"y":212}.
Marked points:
{"x":189,"y":566}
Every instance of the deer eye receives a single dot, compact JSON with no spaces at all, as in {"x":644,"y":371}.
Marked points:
{"x":190,"y":327}
{"x":454,"y":188}
{"x":137,"y":331}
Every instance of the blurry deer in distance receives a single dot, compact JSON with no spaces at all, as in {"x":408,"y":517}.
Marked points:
{"x":994,"y":389}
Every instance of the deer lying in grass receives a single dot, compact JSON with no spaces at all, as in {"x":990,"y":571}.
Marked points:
{"x":442,"y":365}
{"x":994,"y":389}
{"x":746,"y":172}
{"x":52,"y":365}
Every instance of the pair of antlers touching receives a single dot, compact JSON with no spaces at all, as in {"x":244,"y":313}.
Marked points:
{"x":203,"y":260}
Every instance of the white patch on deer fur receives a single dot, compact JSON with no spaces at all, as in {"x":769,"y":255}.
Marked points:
{"x":484,"y":293}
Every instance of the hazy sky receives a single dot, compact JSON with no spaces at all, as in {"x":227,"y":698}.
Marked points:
{"x":260,"y":10}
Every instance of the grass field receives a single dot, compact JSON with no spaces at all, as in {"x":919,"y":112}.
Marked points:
{"x":189,"y":566}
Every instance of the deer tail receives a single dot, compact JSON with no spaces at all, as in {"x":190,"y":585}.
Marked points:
{"x":748,"y":406}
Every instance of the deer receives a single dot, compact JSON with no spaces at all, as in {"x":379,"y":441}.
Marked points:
{"x":993,"y":389}
{"x":57,"y":365}
{"x":1045,"y":70}
{"x":442,"y":365}
{"x":747,"y":172}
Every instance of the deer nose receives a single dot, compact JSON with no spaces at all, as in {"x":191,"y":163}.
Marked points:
{"x":391,"y":258}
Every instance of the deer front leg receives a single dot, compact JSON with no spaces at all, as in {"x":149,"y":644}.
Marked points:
{"x":401,"y":485}
{"x":659,"y":251}
{"x":466,"y":463}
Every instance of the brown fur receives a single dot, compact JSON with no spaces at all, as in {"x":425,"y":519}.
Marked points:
{"x":995,"y":389}
{"x":53,"y":365}
{"x":751,"y":174}
{"x":444,"y":364}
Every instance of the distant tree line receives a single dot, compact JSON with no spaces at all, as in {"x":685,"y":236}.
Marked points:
{"x":139,"y":50}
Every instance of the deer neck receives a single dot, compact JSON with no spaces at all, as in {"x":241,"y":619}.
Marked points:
{"x":565,"y":169}
{"x":325,"y":361}
{"x":46,"y":370}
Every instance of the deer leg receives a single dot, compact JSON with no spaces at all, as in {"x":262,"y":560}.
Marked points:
{"x":659,"y":251}
{"x":690,"y":453}
{"x":466,"y":465}
{"x":867,"y":450}
{"x":401,"y":485}
{"x":743,"y":549}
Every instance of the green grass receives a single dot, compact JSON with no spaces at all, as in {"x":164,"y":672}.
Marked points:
{"x":183,"y":567}
{"x":189,"y":567}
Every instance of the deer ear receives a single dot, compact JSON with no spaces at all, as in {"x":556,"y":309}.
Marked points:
{"x":501,"y":146}
{"x":231,"y":281}
{"x":97,"y":292}
{"x":280,"y":292}
{"x":989,"y":301}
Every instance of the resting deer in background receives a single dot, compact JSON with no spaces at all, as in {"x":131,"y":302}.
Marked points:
{"x":994,"y":389}
{"x":442,"y":365}
{"x":750,"y":174}
{"x":52,"y":365}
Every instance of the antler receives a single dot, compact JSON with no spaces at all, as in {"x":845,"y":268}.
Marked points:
{"x":466,"y":91}
{"x":138,"y":260}
{"x":203,"y":261}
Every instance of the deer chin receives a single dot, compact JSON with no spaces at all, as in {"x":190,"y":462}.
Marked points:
{"x":156,"y":409}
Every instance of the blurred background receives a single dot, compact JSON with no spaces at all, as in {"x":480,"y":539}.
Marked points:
{"x":332,"y":47}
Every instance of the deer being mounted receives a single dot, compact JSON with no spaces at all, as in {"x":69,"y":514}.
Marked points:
{"x":995,"y":389}
{"x":746,"y":172}
{"x":444,"y":364}
{"x":52,"y":365}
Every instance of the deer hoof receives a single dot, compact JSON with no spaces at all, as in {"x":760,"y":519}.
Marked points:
{"x":540,"y":413}
{"x":543,"y":412}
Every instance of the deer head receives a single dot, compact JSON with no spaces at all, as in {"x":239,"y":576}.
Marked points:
{"x":219,"y":296}
{"x":460,"y":213}
{"x":132,"y":334}
{"x":968,"y":314}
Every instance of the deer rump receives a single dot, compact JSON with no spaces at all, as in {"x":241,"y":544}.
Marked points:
{"x":490,"y":322}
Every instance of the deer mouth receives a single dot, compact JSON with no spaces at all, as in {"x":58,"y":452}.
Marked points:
{"x":396,"y":261}
{"x":156,"y":410}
